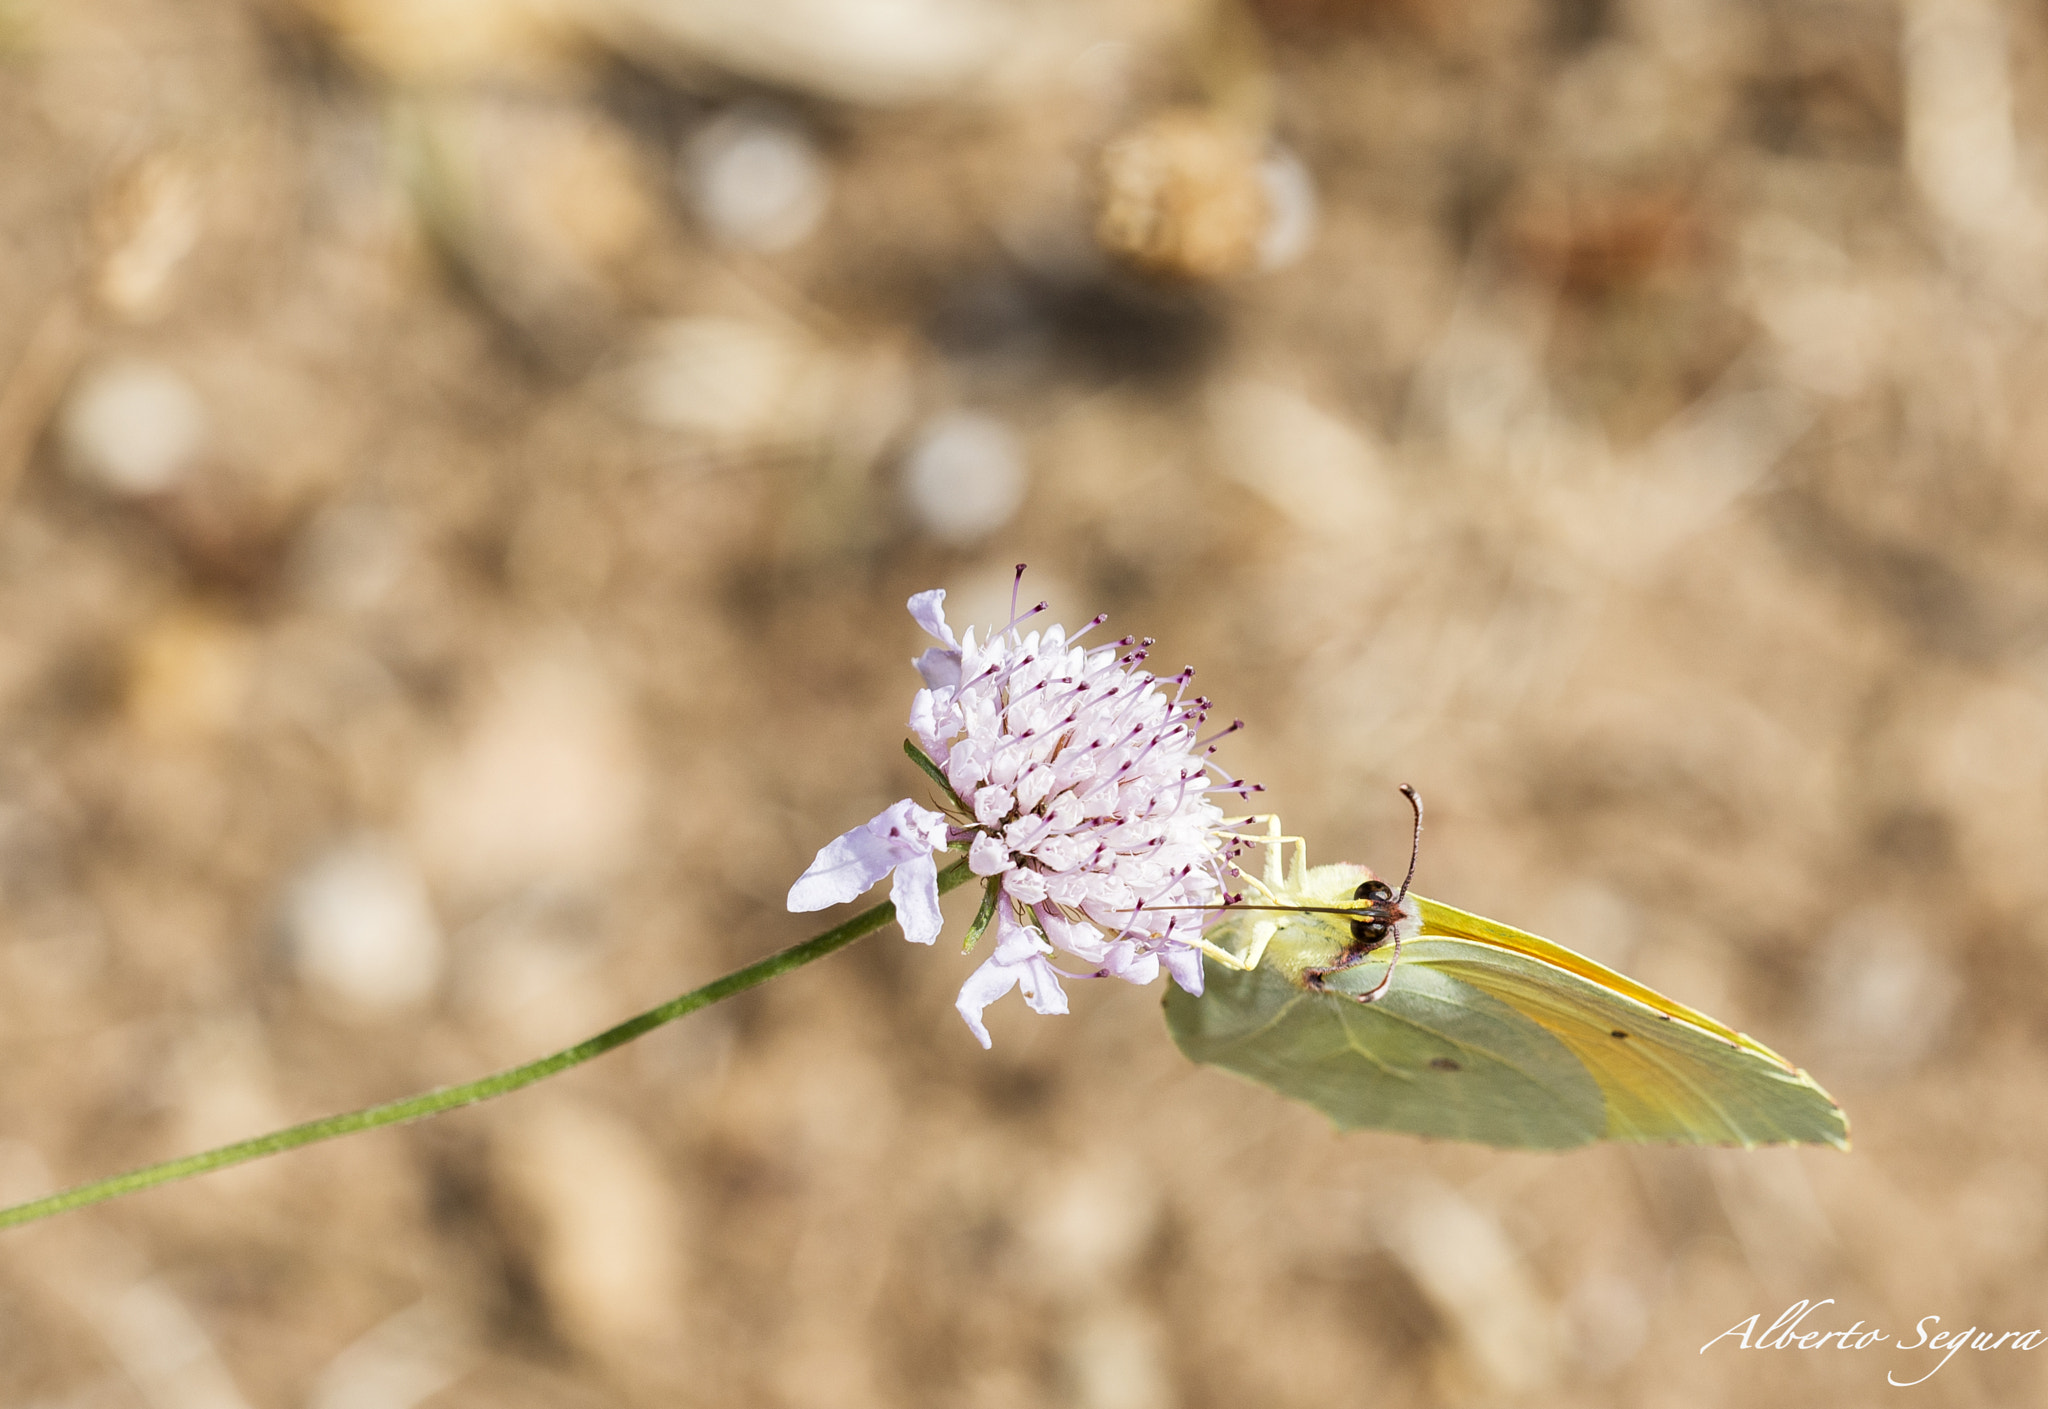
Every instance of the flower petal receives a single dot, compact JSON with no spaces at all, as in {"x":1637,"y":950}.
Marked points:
{"x":1033,"y":786}
{"x":1042,"y":986}
{"x":846,"y":866}
{"x":915,"y":892}
{"x":1019,"y":958}
{"x":1085,"y":942}
{"x":986,"y":984}
{"x":928,"y":610}
{"x":992,"y":805}
{"x":987,"y":856}
{"x":939,"y":665}
{"x":852,"y":862}
{"x":924,"y":722}
{"x":1125,"y":962}
{"x":940,"y":668}
{"x":1023,"y":885}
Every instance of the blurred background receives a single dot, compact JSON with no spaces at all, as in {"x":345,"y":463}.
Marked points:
{"x":461,"y":468}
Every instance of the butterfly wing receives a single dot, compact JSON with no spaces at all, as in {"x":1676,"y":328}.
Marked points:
{"x":1493,"y":1035}
{"x":1441,"y":919}
{"x":1435,"y":1057}
{"x":1666,"y":1073}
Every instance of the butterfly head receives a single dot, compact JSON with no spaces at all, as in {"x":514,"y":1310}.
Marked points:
{"x":1381,"y":913}
{"x":1306,"y":922}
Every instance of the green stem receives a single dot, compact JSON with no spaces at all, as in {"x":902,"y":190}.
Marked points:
{"x":434,"y":1102}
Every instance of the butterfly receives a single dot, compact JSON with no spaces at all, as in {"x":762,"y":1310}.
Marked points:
{"x":1388,"y":1011}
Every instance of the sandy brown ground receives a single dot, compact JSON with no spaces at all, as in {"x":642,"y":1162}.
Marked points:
{"x":1644,"y":459}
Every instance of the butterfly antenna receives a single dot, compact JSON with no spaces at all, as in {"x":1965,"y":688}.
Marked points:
{"x":1414,"y":845}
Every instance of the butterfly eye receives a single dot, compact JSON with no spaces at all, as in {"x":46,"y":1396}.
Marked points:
{"x":1373,"y":890}
{"x":1369,"y":932}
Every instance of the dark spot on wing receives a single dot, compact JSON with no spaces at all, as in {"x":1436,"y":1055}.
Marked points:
{"x":1618,"y":1033}
{"x":1443,"y":1064}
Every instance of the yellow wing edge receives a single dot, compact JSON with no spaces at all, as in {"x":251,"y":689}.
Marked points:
{"x":1447,"y":920}
{"x":1450,"y":922}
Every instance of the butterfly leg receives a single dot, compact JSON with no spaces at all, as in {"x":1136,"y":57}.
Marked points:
{"x":1271,"y":889}
{"x":1241,"y":962}
{"x":1262,"y":930}
{"x":1276,"y":847}
{"x":1262,"y":935}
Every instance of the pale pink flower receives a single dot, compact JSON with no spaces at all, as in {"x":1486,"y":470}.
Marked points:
{"x":1081,"y":782}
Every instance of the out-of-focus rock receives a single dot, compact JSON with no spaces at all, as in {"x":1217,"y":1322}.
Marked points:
{"x":361,"y":928}
{"x":1320,"y":20}
{"x":398,"y":1363}
{"x":543,"y":787}
{"x":2001,"y":1214}
{"x":1961,"y":145}
{"x":756,"y":180}
{"x":964,"y":477}
{"x":735,"y":383}
{"x":1593,"y":239}
{"x":24,"y":1173}
{"x":56,"y":953}
{"x":272,"y":438}
{"x":1696,"y":467}
{"x":1507,"y":1334}
{"x":350,"y":558}
{"x":1323,"y":473}
{"x":164,"y":1349}
{"x":604,"y":1226}
{"x":1777,"y":1215}
{"x":1184,"y":197}
{"x":1291,"y":209}
{"x":1091,"y":1222}
{"x":542,"y":204}
{"x":1830,"y":332}
{"x":1102,"y":75}
{"x":189,"y":676}
{"x":132,"y":426}
{"x":1480,"y":385}
{"x":223,"y":1090}
{"x":879,"y":52}
{"x":147,"y":225}
{"x":1884,"y":994}
{"x":762,"y":391}
{"x":1988,"y":762}
{"x":435,"y":42}
{"x":36,"y":383}
{"x":1116,"y":1358}
{"x":1609,"y":1318}
{"x":530,"y":969}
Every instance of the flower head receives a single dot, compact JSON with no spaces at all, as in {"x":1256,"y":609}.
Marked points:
{"x":1079,"y":786}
